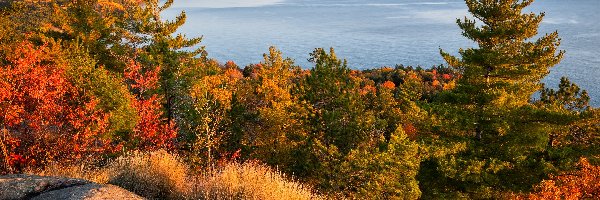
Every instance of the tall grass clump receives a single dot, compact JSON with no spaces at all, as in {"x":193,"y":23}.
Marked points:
{"x":250,"y":181}
{"x":161,"y":175}
{"x":155,"y":175}
{"x":83,"y":171}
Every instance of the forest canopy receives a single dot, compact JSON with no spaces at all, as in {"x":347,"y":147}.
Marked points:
{"x":86,"y":81}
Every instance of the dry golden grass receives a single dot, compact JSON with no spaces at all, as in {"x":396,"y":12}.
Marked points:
{"x":156,"y":175}
{"x":83,"y":171}
{"x":250,"y":181}
{"x":160,"y":175}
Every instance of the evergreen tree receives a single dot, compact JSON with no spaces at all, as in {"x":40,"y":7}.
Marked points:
{"x":502,"y":137}
{"x":341,"y":119}
{"x":356,"y":146}
{"x":505,"y":70}
{"x":97,"y":26}
{"x":574,"y":123}
{"x":568,"y":96}
{"x":161,"y":47}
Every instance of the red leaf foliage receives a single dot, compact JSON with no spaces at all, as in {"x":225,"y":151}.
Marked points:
{"x":410,"y":130}
{"x":43,"y":117}
{"x":152,"y":131}
{"x":447,"y":76}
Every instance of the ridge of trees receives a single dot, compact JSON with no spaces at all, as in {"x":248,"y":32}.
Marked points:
{"x":89,"y":80}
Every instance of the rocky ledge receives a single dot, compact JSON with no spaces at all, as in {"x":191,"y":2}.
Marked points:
{"x":39,"y":187}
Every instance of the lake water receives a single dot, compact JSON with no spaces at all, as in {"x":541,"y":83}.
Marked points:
{"x":375,"y":33}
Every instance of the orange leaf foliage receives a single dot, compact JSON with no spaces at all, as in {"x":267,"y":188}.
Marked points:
{"x":368,"y":89}
{"x":43,"y":117}
{"x":389,"y":85}
{"x":581,"y":184}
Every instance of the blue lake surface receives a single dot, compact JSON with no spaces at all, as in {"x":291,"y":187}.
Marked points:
{"x":375,"y":33}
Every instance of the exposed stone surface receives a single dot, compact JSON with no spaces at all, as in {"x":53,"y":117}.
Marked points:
{"x":38,"y":187}
{"x":26,"y":186}
{"x":89,"y":192}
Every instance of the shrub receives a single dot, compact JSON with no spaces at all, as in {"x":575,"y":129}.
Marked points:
{"x":250,"y":181}
{"x":84,"y":171}
{"x":156,"y":175}
{"x":160,"y":175}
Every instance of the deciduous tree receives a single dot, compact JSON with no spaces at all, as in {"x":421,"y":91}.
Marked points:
{"x":152,"y":131}
{"x":44,"y":117}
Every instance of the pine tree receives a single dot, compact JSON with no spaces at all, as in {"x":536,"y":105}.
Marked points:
{"x":568,"y":96}
{"x":341,"y":119}
{"x":492,"y":102}
{"x":161,"y":47}
{"x":356,"y":145}
{"x":506,"y":68}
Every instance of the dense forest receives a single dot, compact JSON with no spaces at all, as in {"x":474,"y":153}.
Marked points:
{"x":87,"y":81}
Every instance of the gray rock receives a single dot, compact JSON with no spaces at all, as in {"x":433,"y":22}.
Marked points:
{"x":38,"y":187}
{"x":89,"y":192}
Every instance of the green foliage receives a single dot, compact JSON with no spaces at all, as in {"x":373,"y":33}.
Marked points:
{"x":383,"y":169}
{"x":469,"y":130}
{"x":97,"y":26}
{"x":160,"y":46}
{"x":334,"y":95}
{"x":569,"y":96}
{"x":575,"y":125}
{"x":491,"y":101}
{"x":356,"y":146}
{"x":506,"y":69}
{"x":111,"y":92}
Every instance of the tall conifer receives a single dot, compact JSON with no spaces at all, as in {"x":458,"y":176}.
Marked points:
{"x":163,"y":47}
{"x":505,"y":70}
{"x":495,"y":138}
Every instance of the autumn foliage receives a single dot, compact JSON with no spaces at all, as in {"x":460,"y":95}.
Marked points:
{"x":84,"y":82}
{"x":152,"y":131}
{"x":583,"y":183}
{"x":389,"y":85}
{"x":44,"y":117}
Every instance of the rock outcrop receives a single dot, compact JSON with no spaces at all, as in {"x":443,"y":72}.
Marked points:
{"x":39,"y":187}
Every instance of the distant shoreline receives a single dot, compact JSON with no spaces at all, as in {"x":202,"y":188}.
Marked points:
{"x":224,"y":3}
